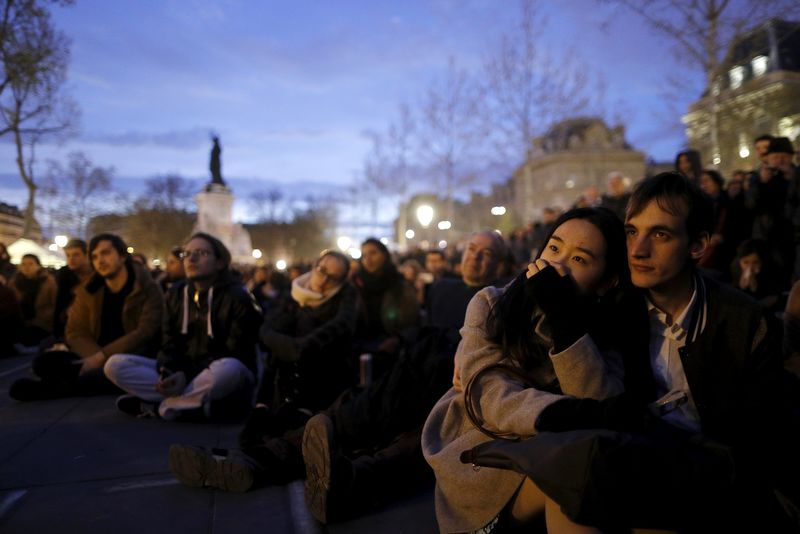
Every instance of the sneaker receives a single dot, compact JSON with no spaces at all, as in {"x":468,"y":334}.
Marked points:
{"x":136,"y":407}
{"x":327,"y":482}
{"x":199,"y":467}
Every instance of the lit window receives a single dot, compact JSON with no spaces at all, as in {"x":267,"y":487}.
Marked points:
{"x":737,"y":77}
{"x":759,"y":65}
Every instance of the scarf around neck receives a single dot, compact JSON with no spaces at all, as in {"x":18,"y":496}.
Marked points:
{"x":305,"y":297}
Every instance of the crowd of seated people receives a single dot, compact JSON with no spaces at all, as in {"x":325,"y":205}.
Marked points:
{"x":351,"y":374}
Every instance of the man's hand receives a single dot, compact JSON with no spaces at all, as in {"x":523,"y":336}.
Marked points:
{"x":95,"y":361}
{"x":172,"y":385}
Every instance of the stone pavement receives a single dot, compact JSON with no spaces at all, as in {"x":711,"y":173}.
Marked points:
{"x":79,"y":465}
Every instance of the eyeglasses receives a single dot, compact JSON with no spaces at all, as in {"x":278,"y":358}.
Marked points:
{"x":324,"y":272}
{"x":200,"y":252}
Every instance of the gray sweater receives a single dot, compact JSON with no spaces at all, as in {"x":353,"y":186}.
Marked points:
{"x":468,"y":499}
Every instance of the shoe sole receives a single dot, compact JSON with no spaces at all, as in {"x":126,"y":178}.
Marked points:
{"x":198,"y":468}
{"x":317,"y":447}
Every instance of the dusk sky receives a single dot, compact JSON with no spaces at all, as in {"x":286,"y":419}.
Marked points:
{"x":291,"y":86}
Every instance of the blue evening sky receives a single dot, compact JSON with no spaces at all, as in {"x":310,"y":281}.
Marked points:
{"x":291,"y":86}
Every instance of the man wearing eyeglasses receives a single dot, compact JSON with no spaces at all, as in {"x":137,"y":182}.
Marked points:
{"x":205,"y":368}
{"x":118,"y":310}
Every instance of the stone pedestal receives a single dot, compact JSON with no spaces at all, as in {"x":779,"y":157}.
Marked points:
{"x":215,"y":216}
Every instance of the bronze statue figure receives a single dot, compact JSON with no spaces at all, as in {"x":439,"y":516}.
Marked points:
{"x":216,"y":165}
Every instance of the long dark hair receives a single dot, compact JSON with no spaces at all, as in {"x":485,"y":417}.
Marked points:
{"x":509,"y":321}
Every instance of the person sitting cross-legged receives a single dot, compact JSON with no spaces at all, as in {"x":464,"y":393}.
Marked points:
{"x":206,"y":363}
{"x":118,"y":310}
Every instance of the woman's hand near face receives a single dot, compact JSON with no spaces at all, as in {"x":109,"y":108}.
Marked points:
{"x":537,"y":266}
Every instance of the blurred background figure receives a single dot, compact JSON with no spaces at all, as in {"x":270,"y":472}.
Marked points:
{"x":690,"y":164}
{"x":36,"y":292}
{"x":754,"y":272}
{"x":173,"y":271}
{"x":77,"y":271}
{"x":617,"y":195}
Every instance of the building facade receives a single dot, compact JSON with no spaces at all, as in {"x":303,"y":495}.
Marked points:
{"x":757,"y":92}
{"x":574,"y":155}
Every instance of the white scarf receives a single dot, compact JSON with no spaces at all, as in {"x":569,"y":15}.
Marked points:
{"x":305,"y":297}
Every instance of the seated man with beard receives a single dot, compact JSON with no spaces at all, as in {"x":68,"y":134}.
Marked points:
{"x":118,"y":310}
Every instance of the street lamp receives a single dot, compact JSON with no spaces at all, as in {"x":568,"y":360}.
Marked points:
{"x":344,"y":242}
{"x":445,"y":225}
{"x":61,"y":240}
{"x":257,"y":253}
{"x":425,"y":215}
{"x":410,"y":234}
{"x":499,"y":210}
{"x":280,"y":265}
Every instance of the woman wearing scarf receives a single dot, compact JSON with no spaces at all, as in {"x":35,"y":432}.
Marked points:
{"x":309,"y":339}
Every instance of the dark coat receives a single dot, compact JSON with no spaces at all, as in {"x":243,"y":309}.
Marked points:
{"x":734,"y":369}
{"x":235,"y":320}
{"x":309,"y":350}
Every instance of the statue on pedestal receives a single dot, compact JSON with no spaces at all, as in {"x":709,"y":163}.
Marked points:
{"x":215,"y":165}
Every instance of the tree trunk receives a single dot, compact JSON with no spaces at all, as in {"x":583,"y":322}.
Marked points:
{"x":27,"y":177}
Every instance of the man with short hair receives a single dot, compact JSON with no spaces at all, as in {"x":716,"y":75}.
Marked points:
{"x":706,"y":341}
{"x":119,"y":309}
{"x":207,"y":360}
{"x":77,"y":271}
{"x":436,"y":264}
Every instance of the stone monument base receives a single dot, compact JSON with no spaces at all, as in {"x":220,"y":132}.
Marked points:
{"x":215,"y":216}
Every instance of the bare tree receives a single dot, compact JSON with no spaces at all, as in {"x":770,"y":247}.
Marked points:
{"x":527,"y":88}
{"x":265,"y":204}
{"x":33,"y":104}
{"x":170,"y":192}
{"x":703,"y":33}
{"x":449,"y":136}
{"x":76,"y":187}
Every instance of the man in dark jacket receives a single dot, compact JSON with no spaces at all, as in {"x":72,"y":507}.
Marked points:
{"x":707,"y":348}
{"x":118,"y":310}
{"x":209,"y":348}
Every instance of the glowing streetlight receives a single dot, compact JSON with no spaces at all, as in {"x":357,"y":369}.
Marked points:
{"x":499,"y":210}
{"x":444,"y":225}
{"x":280,"y":265}
{"x":61,"y":240}
{"x":442,"y":244}
{"x":344,"y":242}
{"x":52,"y":247}
{"x":354,"y":252}
{"x":410,"y":234}
{"x":385,"y":240}
{"x":130,"y":250}
{"x":257,"y":253}
{"x":744,"y":152}
{"x":425,"y":215}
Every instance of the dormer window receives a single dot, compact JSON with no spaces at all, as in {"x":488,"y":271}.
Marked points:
{"x":736,"y":76}
{"x":759,"y":65}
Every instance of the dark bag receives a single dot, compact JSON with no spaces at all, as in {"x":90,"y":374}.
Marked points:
{"x":618,"y":479}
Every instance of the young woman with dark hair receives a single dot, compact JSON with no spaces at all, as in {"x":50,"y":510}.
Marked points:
{"x":551,"y":327}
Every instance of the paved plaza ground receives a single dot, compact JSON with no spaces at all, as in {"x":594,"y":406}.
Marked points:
{"x":79,"y":465}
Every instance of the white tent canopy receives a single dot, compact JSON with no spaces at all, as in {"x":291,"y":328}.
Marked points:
{"x":49,"y":258}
